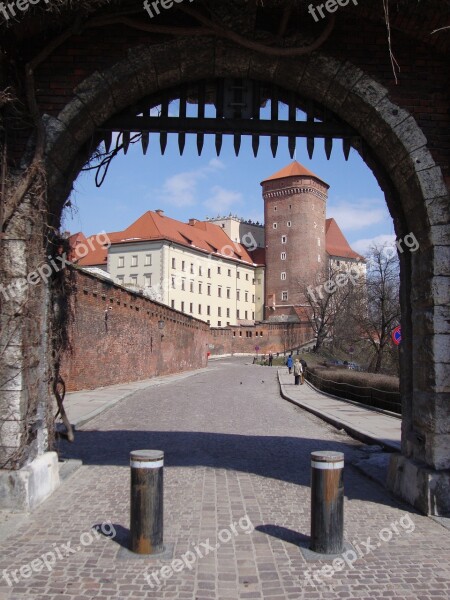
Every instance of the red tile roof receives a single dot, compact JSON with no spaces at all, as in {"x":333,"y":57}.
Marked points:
{"x":258,"y":256}
{"x":97,"y":252}
{"x":336,"y":244}
{"x":199,"y":235}
{"x":295,"y":169}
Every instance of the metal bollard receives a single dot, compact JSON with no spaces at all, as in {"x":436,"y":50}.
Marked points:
{"x":146,"y":507}
{"x":327,"y":502}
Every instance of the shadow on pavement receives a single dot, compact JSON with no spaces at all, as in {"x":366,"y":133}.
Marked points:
{"x":282,"y":458}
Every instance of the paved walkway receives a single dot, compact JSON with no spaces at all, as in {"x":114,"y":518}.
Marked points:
{"x":237,"y":506}
{"x":370,"y":426}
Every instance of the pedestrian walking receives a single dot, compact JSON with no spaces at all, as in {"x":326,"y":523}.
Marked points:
{"x":298,"y":371}
{"x":289,"y":363}
{"x":270,"y":359}
{"x":304,"y":366}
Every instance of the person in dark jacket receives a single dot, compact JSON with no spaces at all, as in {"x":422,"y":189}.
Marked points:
{"x":304,"y":366}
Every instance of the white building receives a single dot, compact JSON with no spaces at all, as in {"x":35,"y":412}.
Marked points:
{"x":194,"y":268}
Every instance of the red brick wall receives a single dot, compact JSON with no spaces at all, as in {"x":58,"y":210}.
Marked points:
{"x":302,"y":202}
{"x":128,"y":345}
{"x":269,"y":337}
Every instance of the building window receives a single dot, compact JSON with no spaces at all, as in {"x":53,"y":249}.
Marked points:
{"x":289,"y":223}
{"x":219,"y":312}
{"x":228,"y":313}
{"x":253,"y":316}
{"x":148,"y":280}
{"x":199,"y":309}
{"x":200,"y":288}
{"x":228,"y":293}
{"x":174,"y":263}
{"x":238,"y":294}
{"x":191,"y":286}
{"x":219,"y":270}
{"x":246,"y":277}
{"x":284,"y":239}
{"x":121,"y":262}
{"x":275,"y":225}
{"x":238,"y":314}
{"x":173,"y":283}
{"x":275,"y":208}
{"x":183,"y":285}
{"x":209,"y":289}
{"x":183,"y":265}
{"x":246,"y":296}
{"x":172,"y":304}
{"x":200,"y":271}
{"x":148,"y":260}
{"x":192,"y":268}
{"x":134,"y":279}
{"x":209,"y":273}
{"x":290,"y":206}
{"x":219,"y":292}
{"x":238,"y":275}
{"x":229,"y":272}
{"x":191,"y":308}
{"x":182,"y":307}
{"x":246,"y":314}
{"x":283,"y":276}
{"x":253,"y":298}
{"x":284,"y":296}
{"x":134,"y":261}
{"x":283,"y":256}
{"x":338,"y":263}
{"x":120,"y":279}
{"x":219,"y":323}
{"x":208,"y":311}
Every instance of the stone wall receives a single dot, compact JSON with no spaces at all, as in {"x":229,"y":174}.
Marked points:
{"x":115,"y":337}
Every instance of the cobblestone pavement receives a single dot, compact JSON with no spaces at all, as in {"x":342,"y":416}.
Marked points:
{"x":233,"y":448}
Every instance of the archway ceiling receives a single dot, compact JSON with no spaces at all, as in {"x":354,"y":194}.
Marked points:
{"x":274,"y":22}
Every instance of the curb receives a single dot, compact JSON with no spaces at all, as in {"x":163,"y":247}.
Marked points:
{"x":363,"y":436}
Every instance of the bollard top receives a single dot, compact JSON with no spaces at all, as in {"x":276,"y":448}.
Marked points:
{"x":146,"y":456}
{"x":327,"y":456}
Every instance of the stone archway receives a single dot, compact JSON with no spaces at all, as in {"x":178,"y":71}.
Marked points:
{"x":413,"y":184}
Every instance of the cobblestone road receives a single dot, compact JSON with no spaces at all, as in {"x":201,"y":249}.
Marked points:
{"x":233,"y":448}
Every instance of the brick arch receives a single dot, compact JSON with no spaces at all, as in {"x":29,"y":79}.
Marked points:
{"x":398,"y":155}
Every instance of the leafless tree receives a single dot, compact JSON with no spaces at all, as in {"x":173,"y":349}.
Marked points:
{"x":376,"y":309}
{"x":325,"y":299}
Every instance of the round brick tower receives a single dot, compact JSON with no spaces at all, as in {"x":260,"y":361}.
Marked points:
{"x":294,"y":215}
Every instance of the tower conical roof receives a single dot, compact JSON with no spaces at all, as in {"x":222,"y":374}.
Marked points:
{"x":295,"y":169}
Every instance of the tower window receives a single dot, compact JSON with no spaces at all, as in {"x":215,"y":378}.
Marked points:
{"x":283,"y":276}
{"x":283,"y":256}
{"x":275,"y":208}
{"x":284,"y":239}
{"x":289,"y":223}
{"x":284,"y":296}
{"x":275,"y":225}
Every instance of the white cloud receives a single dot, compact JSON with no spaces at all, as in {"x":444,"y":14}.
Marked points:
{"x":221,"y":200}
{"x":181,"y":189}
{"x":363,"y":246}
{"x":358,"y":215}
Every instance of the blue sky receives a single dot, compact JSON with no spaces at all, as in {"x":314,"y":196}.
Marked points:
{"x":192,"y":187}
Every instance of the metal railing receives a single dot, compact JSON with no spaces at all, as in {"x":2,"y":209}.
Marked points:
{"x":370,"y":396}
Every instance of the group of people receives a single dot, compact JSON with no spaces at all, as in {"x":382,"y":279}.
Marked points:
{"x":298,"y":367}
